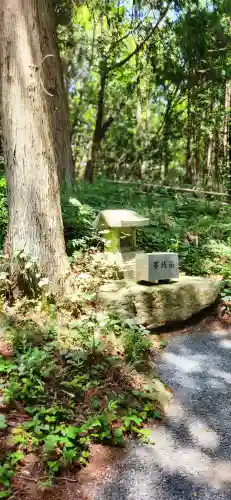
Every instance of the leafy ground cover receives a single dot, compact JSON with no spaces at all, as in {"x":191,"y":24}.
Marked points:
{"x":198,"y":229}
{"x":69,"y":376}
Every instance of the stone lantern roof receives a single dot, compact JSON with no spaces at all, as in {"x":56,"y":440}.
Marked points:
{"x":120,"y":219}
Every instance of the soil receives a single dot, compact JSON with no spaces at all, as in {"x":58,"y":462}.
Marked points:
{"x":78,"y":485}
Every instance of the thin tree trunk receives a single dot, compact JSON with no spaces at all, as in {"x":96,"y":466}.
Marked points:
{"x":208,"y":144}
{"x":226,"y":135}
{"x":139,"y":123}
{"x":208,"y":149}
{"x":166,"y":138}
{"x":229,"y":170}
{"x":30,"y":151}
{"x":97,"y":136}
{"x":216,"y":157}
{"x":197,"y":160}
{"x":188,"y":146}
{"x":81,"y":103}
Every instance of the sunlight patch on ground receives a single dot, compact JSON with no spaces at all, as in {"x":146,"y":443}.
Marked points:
{"x":202,"y":434}
{"x":226,"y":343}
{"x":192,"y":462}
{"x":220,"y":374}
{"x":187,"y":365}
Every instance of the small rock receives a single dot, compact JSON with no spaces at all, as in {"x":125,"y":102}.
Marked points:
{"x":5,"y":349}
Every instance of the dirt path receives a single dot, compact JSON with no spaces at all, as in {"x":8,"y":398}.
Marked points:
{"x":191,"y":457}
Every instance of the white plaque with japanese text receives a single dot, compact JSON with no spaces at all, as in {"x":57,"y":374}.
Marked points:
{"x":157,"y":266}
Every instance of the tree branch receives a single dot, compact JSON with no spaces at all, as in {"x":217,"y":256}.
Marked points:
{"x":127,"y":34}
{"x":111,"y":118}
{"x":218,"y":50}
{"x":122,"y":62}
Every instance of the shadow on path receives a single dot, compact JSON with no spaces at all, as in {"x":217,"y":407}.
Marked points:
{"x":191,"y":457}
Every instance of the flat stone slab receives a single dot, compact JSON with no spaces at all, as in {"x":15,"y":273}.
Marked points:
{"x":156,"y":305}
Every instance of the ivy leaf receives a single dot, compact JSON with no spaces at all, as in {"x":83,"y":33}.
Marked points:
{"x":16,"y":457}
{"x":3,"y":422}
{"x":71,"y":432}
{"x":50,"y":442}
{"x":119,"y":433}
{"x":132,"y":418}
{"x":5,"y":493}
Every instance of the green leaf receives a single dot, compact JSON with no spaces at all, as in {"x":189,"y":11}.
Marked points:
{"x":3,"y":422}
{"x":119,"y":432}
{"x":85,"y":454}
{"x":163,"y":344}
{"x":5,"y":493}
{"x":157,"y":415}
{"x":134,"y":418}
{"x":70,"y":431}
{"x":54,"y":466}
{"x":16,"y":457}
{"x":49,"y":418}
{"x":50,"y":442}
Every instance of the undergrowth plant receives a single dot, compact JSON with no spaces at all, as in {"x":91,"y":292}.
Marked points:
{"x":69,"y":397}
{"x":198,"y":229}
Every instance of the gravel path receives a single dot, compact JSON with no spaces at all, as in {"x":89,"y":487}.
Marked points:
{"x":191,"y":457}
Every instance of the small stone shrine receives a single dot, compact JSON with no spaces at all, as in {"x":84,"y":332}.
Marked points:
{"x":177,"y":299}
{"x":119,"y":229}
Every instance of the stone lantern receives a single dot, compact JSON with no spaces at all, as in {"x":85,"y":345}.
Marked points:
{"x":119,"y":229}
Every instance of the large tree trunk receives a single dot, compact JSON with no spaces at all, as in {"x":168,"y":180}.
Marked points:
{"x":28,"y":122}
{"x":51,"y":78}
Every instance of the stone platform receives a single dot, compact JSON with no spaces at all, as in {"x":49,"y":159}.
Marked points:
{"x":156,"y":305}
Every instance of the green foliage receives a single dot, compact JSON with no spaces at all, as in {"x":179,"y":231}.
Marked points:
{"x":3,"y":210}
{"x":134,"y":339}
{"x":226,"y":298}
{"x":136,"y":345}
{"x":163,"y":344}
{"x":6,"y":473}
{"x":65,"y":396}
{"x":78,"y":219}
{"x":198,"y":229}
{"x":3,"y":422}
{"x":164,"y":109}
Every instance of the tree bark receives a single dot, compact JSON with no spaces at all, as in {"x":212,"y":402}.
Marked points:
{"x":188,"y":178}
{"x":98,"y":134}
{"x":207,"y":164}
{"x":227,"y":136}
{"x":51,"y":77}
{"x":229,"y":170}
{"x":166,"y":138}
{"x":29,"y":129}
